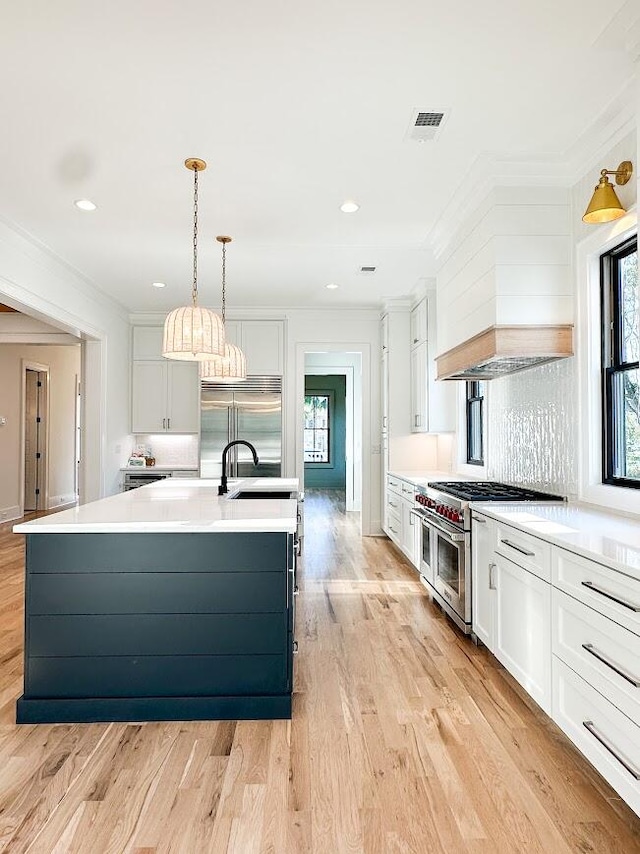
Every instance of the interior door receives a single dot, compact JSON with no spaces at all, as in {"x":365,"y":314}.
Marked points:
{"x":34,"y":434}
{"x":215,"y":426}
{"x":259,"y":421}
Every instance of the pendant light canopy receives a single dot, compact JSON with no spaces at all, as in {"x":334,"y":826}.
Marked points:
{"x":191,"y":332}
{"x":231,"y":366}
{"x":605,"y":205}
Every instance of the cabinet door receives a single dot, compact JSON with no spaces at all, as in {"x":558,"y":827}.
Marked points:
{"x":149,"y":397}
{"x":384,"y":377}
{"x":147,"y":342}
{"x":233,"y":332}
{"x":408,"y":537}
{"x":384,"y":333}
{"x":482,"y":579}
{"x":419,"y":414}
{"x":523,"y":628}
{"x":183,"y":397}
{"x":263,"y":346}
{"x":419,"y":323}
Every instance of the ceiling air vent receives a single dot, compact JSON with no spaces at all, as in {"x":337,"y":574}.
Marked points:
{"x":425,"y":124}
{"x":367,"y":269}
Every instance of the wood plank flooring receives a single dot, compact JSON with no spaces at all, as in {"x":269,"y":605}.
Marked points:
{"x":405,"y":739}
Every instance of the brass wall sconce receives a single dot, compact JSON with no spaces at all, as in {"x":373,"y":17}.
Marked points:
{"x":605,"y":205}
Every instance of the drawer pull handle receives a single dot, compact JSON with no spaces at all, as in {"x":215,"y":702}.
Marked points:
{"x":601,"y":656}
{"x":391,"y":504}
{"x":479,"y":520}
{"x":517,"y":548}
{"x":608,"y":595}
{"x":492,"y":584}
{"x":604,"y":741}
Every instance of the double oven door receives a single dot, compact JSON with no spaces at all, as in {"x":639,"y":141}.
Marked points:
{"x":446,"y":564}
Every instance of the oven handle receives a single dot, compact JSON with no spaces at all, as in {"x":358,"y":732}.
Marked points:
{"x":454,"y":536}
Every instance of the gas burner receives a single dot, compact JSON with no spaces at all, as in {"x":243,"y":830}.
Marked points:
{"x":490,"y":491}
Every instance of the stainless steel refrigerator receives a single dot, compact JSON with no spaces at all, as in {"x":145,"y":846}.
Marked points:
{"x":250,"y":410}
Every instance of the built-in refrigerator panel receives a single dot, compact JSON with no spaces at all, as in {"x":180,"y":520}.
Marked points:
{"x":252,"y":411}
{"x":216,"y":410}
{"x":259,"y":421}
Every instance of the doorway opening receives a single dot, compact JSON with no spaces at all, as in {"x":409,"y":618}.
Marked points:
{"x":332,"y":441}
{"x":35,"y":436}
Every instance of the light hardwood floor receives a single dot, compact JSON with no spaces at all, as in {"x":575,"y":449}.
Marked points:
{"x":405,"y":738}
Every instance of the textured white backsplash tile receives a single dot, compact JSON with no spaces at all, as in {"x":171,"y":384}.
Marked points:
{"x":532,"y":428}
{"x":179,"y":450}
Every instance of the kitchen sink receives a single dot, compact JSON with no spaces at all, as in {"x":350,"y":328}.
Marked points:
{"x":256,"y":493}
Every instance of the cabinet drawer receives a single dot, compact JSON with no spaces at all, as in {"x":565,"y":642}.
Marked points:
{"x":527,"y":551}
{"x":394,"y":528}
{"x":611,"y":593}
{"x":602,"y":652}
{"x":394,"y":504}
{"x":609,"y":739}
{"x":407,"y":490}
{"x":394,"y":484}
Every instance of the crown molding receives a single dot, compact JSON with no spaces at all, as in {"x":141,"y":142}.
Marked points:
{"x":41,"y":254}
{"x":617,"y":120}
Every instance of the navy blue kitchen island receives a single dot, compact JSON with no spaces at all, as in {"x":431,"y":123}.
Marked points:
{"x":194,"y":622}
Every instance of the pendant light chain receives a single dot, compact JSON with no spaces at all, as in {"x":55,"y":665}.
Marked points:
{"x":224,"y":282}
{"x":194,"y":290}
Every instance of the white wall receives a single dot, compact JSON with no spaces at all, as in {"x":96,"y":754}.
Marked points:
{"x":36,"y":281}
{"x":64,"y":365}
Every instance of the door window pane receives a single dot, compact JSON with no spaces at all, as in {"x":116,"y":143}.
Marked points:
{"x":316,"y":428}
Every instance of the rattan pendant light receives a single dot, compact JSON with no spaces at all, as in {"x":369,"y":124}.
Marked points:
{"x":231,"y":367}
{"x":191,"y":332}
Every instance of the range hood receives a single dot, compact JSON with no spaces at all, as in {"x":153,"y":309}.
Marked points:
{"x":501,"y":350}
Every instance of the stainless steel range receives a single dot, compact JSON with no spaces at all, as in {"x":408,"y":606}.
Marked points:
{"x":445,"y":515}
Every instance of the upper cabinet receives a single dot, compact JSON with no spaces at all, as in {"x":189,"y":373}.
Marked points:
{"x":432,"y":402}
{"x":262,"y":342}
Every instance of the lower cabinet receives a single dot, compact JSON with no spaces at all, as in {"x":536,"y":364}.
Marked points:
{"x":522,"y":628}
{"x":400,"y":524}
{"x":512,"y":613}
{"x":567,"y":628}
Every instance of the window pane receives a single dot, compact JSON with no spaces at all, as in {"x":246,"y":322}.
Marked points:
{"x":628,"y":272}
{"x":626,"y":430}
{"x":316,"y":432}
{"x":475,"y":430}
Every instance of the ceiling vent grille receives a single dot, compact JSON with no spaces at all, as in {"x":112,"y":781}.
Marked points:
{"x":425,"y":124}
{"x":367,"y":269}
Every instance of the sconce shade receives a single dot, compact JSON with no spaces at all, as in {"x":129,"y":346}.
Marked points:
{"x":193,"y":333}
{"x":230,"y":368}
{"x":604,"y":205}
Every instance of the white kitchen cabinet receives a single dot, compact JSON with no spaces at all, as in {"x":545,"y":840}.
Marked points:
{"x":419,"y":323}
{"x":482,"y":583}
{"x":384,"y":378}
{"x":522,"y":629}
{"x":147,"y":342}
{"x":433,"y":403}
{"x":262,"y":342}
{"x":511,"y":611}
{"x":165,"y":397}
{"x":419,"y":397}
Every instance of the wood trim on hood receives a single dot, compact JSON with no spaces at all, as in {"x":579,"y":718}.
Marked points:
{"x":501,"y":350}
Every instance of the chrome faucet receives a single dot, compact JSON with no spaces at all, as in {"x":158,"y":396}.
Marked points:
{"x":222,"y":489}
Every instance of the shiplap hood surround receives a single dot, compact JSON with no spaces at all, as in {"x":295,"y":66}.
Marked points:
{"x":505,"y":297}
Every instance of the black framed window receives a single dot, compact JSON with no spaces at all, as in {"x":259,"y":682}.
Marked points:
{"x":474,"y":410}
{"x":620,"y":374}
{"x":317,"y":425}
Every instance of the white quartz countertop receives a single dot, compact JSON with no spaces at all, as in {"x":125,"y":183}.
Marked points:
{"x":422,"y":478}
{"x":596,"y":534}
{"x":159,"y":468}
{"x":177,"y":505}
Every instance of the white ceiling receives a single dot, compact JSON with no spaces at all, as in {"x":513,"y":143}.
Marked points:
{"x":296,"y":106}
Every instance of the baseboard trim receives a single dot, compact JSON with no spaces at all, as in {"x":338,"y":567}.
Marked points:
{"x":8,"y":514}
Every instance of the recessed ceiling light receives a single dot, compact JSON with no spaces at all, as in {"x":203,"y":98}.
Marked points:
{"x":349,"y":207}
{"x":158,"y":284}
{"x":85,"y":205}
{"x":332,"y":287}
